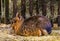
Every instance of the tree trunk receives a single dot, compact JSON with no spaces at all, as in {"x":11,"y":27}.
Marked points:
{"x":7,"y":11}
{"x":37,"y":7}
{"x":23,"y":8}
{"x":14,"y":8}
{"x":31,"y":7}
{"x":52,"y":7}
{"x":52,"y":10}
{"x":44,"y":6}
{"x":0,"y":11}
{"x":59,"y":13}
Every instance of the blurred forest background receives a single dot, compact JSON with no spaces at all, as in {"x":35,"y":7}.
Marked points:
{"x":28,"y":8}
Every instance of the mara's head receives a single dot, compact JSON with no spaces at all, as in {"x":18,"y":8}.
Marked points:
{"x":17,"y":23}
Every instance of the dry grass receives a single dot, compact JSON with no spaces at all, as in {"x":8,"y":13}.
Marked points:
{"x":6,"y":36}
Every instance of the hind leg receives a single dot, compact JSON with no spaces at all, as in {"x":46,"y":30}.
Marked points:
{"x":44,"y":32}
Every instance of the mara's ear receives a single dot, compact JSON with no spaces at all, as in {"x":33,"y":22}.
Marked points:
{"x":21,"y":18}
{"x":17,"y":14}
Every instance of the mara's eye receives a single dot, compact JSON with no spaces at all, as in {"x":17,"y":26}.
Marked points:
{"x":14,"y":21}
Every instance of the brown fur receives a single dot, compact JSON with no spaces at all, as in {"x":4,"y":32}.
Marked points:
{"x":25,"y":32}
{"x":28,"y":27}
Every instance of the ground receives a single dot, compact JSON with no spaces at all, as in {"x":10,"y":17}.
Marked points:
{"x":5,"y":35}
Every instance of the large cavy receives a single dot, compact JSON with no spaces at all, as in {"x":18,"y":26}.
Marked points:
{"x":33,"y":26}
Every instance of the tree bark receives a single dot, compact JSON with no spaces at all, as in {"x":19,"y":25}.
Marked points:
{"x":0,"y":11}
{"x":7,"y":11}
{"x":14,"y":8}
{"x":37,"y":7}
{"x":52,"y":10}
{"x":59,"y":13}
{"x":31,"y":7}
{"x":23,"y":8}
{"x":52,"y":7}
{"x":44,"y":6}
